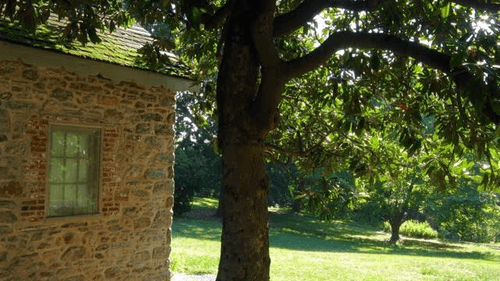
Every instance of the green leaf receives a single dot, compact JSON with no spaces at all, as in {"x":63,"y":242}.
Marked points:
{"x":486,"y":180}
{"x":445,"y":11}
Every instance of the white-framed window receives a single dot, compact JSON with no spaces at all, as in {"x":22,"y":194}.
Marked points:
{"x":74,"y":171}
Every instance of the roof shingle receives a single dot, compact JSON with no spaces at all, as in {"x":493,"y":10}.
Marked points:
{"x":119,"y":47}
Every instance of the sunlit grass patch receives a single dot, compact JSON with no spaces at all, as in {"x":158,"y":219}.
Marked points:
{"x":194,"y":262}
{"x":305,"y":248}
{"x":195,"y":246}
{"x":211,"y":203}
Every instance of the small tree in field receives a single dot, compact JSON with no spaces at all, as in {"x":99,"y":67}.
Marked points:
{"x":397,"y":181}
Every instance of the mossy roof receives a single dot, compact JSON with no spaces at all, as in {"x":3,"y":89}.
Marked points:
{"x":119,"y":47}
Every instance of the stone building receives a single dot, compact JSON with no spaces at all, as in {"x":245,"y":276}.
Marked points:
{"x":86,"y":159}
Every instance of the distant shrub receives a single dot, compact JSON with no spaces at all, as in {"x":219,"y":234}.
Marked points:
{"x":415,"y":229}
{"x":480,"y":231}
{"x":469,"y":215}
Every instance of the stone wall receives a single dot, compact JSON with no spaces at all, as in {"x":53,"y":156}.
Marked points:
{"x":130,"y":238}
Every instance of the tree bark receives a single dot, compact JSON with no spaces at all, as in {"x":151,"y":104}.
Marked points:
{"x":220,"y":208}
{"x":245,"y":240}
{"x":395,"y":221}
{"x":242,"y":130}
{"x":297,"y":206}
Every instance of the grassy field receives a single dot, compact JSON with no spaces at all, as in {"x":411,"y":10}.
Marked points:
{"x":304,"y":248}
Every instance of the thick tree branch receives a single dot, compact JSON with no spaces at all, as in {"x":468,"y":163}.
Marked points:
{"x":265,"y":105}
{"x":213,"y":21}
{"x":308,"y":9}
{"x":479,"y":5}
{"x":347,"y":39}
{"x":398,"y":46}
{"x":262,"y":31}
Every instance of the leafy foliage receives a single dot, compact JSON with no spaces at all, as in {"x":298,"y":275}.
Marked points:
{"x":279,"y":194}
{"x":85,"y":17}
{"x":328,"y":196}
{"x":197,"y":172}
{"x":198,"y":167}
{"x":466,"y":214}
{"x":415,"y":229}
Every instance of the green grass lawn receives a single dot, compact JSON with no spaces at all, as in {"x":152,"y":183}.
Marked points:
{"x":304,"y":248}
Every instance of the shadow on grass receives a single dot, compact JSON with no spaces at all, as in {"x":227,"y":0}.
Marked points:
{"x":378,"y":247}
{"x":306,"y":233}
{"x":206,"y":229}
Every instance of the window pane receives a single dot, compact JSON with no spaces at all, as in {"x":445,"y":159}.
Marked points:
{"x":69,"y":195}
{"x":84,"y":149}
{"x":57,"y":169}
{"x":57,"y":148}
{"x":73,"y":177}
{"x":71,"y":171}
{"x":56,"y":198}
{"x":83,"y":170}
{"x":72,"y":144}
{"x":84,"y":200}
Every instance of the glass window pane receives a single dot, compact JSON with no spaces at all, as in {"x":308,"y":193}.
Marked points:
{"x":57,"y":147}
{"x":83,"y":167}
{"x":71,"y":171}
{"x":69,"y":195}
{"x":84,"y":149}
{"x":56,"y":199}
{"x":84,"y":200}
{"x":57,"y":170}
{"x":72,"y":145}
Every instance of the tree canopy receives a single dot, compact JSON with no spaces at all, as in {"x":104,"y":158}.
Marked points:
{"x":330,"y":67}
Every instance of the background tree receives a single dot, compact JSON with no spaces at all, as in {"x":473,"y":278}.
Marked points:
{"x":198,"y":167}
{"x":197,"y":164}
{"x":328,"y":195}
{"x":400,"y":188}
{"x":363,"y":135}
{"x":255,"y":49}
{"x":465,"y":213}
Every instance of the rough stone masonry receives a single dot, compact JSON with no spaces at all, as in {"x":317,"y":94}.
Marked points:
{"x":130,"y":237}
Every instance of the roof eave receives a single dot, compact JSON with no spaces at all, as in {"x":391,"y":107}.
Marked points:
{"x":84,"y":66}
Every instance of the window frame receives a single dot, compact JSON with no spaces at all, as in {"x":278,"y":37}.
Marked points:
{"x":95,"y":146}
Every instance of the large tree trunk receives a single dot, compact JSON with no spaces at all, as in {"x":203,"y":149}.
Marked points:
{"x":243,"y":125}
{"x":245,"y":240}
{"x":220,"y":208}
